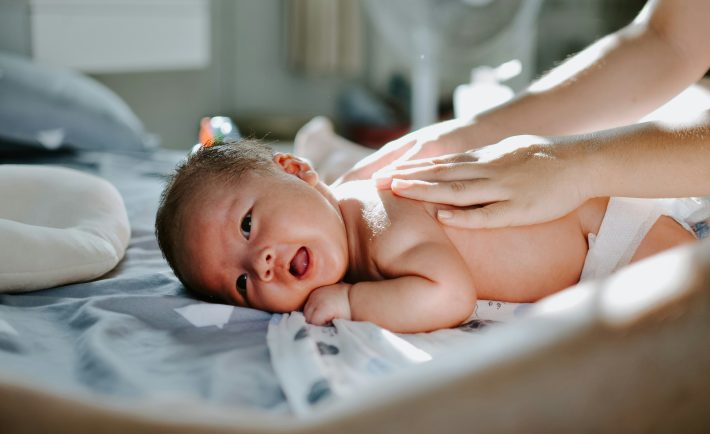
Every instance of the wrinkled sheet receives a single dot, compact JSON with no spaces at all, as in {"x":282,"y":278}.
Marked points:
{"x":135,"y":333}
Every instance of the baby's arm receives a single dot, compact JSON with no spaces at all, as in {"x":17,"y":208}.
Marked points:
{"x":432,"y":289}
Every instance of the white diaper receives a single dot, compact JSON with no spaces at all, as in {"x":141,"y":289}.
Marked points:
{"x":625,"y":224}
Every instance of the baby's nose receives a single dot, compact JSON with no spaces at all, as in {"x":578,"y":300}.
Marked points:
{"x":264,"y":264}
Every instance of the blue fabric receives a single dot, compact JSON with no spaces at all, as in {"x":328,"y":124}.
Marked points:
{"x":50,"y":108}
{"x":701,"y":229}
{"x":121,"y":336}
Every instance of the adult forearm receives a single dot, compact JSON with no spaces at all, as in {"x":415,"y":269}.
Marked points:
{"x":647,"y":160}
{"x":614,"y":82}
{"x":532,"y":179}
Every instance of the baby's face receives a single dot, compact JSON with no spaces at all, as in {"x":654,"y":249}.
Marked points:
{"x":266,"y":243}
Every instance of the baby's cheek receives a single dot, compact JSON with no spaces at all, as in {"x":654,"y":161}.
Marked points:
{"x":282,"y":300}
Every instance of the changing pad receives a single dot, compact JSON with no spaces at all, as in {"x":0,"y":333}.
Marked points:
{"x":57,"y":226}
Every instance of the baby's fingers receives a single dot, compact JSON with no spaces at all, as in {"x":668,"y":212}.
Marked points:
{"x":316,"y":314}
{"x":320,"y":317}
{"x":459,"y":193}
{"x":308,"y":312}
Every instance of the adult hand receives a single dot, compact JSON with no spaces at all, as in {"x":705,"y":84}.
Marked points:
{"x":520,"y":180}
{"x":437,"y":139}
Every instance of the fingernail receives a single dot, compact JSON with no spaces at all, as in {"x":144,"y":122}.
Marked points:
{"x":401,"y":183}
{"x":443,"y":214}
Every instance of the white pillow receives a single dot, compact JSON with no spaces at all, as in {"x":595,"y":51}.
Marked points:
{"x":57,"y":226}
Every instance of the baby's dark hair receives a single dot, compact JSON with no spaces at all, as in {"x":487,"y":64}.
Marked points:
{"x":220,"y":164}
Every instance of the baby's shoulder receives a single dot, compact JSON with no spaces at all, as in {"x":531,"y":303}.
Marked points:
{"x":389,"y":227}
{"x":401,"y":226}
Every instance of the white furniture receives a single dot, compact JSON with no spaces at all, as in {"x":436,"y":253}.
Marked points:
{"x":109,"y":36}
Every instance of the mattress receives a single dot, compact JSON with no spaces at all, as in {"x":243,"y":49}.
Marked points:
{"x":133,"y":352}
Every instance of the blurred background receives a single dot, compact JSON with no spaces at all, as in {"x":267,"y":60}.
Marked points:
{"x":375,"y":68}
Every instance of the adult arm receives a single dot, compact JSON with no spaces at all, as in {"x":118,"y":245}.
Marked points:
{"x":614,"y":82}
{"x":531,"y":179}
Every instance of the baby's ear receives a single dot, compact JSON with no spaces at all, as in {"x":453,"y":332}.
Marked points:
{"x":297,"y":166}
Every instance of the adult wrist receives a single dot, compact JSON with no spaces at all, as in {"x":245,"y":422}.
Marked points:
{"x":586,"y":167}
{"x":473,"y":134}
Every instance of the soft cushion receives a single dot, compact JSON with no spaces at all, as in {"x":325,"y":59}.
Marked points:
{"x":57,"y":226}
{"x":42,"y":107}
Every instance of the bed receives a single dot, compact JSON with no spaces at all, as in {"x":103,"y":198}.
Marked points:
{"x":132,"y":351}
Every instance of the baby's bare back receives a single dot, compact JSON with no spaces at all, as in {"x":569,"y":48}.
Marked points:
{"x":525,"y":263}
{"x":519,"y":264}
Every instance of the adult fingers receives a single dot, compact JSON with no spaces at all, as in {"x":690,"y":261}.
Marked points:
{"x":376,"y":161}
{"x":444,"y":168}
{"x":383,"y":176}
{"x":462,"y":157}
{"x":437,"y":173}
{"x":495,"y":215}
{"x":460,"y":193}
{"x":444,"y":172}
{"x":403,"y":162}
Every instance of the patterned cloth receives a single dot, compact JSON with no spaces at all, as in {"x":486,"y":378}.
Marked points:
{"x":316,"y":364}
{"x":701,"y":229}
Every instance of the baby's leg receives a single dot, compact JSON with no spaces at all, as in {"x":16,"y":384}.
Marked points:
{"x":665,"y":234}
{"x":330,"y":154}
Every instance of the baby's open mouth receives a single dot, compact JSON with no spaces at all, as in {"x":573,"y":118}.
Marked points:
{"x":300,"y":262}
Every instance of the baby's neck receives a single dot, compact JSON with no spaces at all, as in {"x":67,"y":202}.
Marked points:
{"x":355,"y":200}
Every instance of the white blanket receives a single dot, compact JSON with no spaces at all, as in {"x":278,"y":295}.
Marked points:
{"x":316,"y":364}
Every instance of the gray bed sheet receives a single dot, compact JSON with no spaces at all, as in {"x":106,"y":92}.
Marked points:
{"x":120,"y":337}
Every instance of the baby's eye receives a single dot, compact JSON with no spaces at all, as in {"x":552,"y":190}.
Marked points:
{"x":246,"y":226}
{"x":242,"y":285}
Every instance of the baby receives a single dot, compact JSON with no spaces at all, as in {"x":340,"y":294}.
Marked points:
{"x":246,"y":226}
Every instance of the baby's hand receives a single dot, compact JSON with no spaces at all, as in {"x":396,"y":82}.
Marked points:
{"x":328,"y":303}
